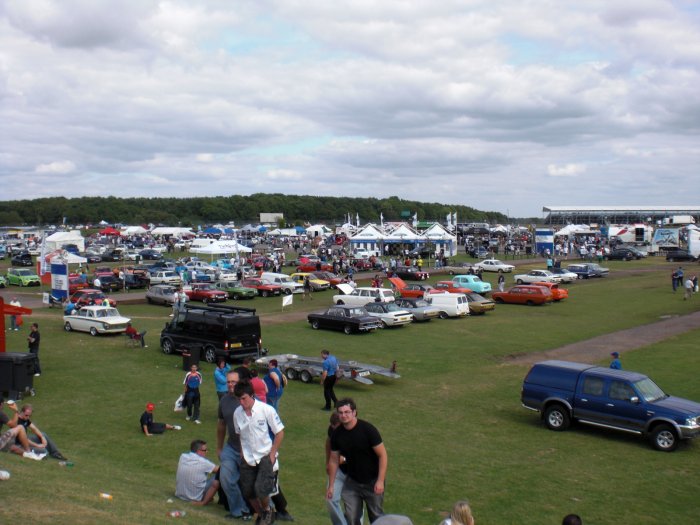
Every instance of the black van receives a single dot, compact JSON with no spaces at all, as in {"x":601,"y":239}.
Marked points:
{"x":216,"y":332}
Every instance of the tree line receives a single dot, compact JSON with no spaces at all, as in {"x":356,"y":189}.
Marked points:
{"x":241,"y":209}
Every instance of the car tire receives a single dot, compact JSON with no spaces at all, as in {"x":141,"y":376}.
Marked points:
{"x":557,"y":418}
{"x":347,"y":329}
{"x":235,"y":297}
{"x":670,"y":259}
{"x":306,"y":376}
{"x":209,"y":354}
{"x":519,"y":281}
{"x":149,"y":300}
{"x":167,"y":346}
{"x":264,"y":293}
{"x":499,"y":300}
{"x":443,"y":315}
{"x":93,"y":331}
{"x":67,"y":327}
{"x":315,"y":325}
{"x":339,"y":302}
{"x":664,"y":438}
{"x":287,"y":291}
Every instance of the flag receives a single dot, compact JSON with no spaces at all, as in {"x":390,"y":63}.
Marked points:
{"x":357,"y":219}
{"x":381,"y":218}
{"x":287,"y":300}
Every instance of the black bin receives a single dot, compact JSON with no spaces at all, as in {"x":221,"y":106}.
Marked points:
{"x":17,"y":373}
{"x":190,"y":357}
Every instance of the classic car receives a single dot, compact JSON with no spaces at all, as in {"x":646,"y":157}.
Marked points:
{"x":93,"y":257}
{"x":458,"y":268}
{"x":524,"y":294}
{"x":566,"y":275}
{"x":389,"y":314}
{"x":419,"y":308}
{"x":22,"y":277}
{"x":588,"y":270}
{"x":150,"y":255}
{"x":411,"y":273}
{"x":557,"y":292}
{"x":205,"y":293}
{"x":89,"y":297}
{"x":349,"y":319}
{"x":449,"y":287}
{"x":479,"y":252}
{"x":102,"y":270}
{"x":623,"y":254}
{"x":673,"y":256}
{"x":22,"y":259}
{"x":166,"y":277}
{"x":317,"y":285}
{"x":544,"y":276}
{"x":161,"y":294}
{"x":478,"y":304}
{"x":136,"y":280}
{"x":413,"y":290}
{"x":306,"y":368}
{"x":264,"y":289}
{"x":473,"y":282}
{"x":110,"y":283}
{"x":332,"y":278}
{"x":227,"y":276}
{"x":361,"y":296}
{"x":3,"y":282}
{"x":95,"y":320}
{"x":313,"y":266}
{"x":362,"y":264}
{"x":494,"y":265}
{"x":236,"y":291}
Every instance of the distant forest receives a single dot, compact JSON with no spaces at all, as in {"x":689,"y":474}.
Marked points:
{"x":241,"y":209}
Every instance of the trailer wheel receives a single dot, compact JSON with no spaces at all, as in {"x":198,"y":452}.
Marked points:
{"x":291,"y":374}
{"x":306,"y":376}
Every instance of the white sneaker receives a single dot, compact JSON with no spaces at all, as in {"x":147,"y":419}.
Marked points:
{"x":177,"y":427}
{"x":198,"y":421}
{"x":188,"y":418}
{"x":4,"y":475}
{"x":30,"y":454}
{"x":37,"y":374}
{"x":145,"y":346}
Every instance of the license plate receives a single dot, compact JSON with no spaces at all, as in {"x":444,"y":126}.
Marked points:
{"x":236,"y":345}
{"x":365,"y":373}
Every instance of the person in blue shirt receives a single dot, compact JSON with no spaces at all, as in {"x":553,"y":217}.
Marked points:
{"x":192,"y":381}
{"x":220,"y":372}
{"x":615,"y":363}
{"x":328,"y":378}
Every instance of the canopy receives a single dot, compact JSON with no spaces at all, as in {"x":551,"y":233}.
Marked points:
{"x":57,"y":240}
{"x":221,"y":247}
{"x":134,"y":230}
{"x":109,"y":231}
{"x":213,"y":231}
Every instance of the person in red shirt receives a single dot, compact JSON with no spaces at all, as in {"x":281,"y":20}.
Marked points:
{"x":134,"y":334}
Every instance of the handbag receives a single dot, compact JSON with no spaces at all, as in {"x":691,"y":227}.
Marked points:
{"x":179,"y":403}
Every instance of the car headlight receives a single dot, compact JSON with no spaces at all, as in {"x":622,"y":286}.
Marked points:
{"x":693,"y":421}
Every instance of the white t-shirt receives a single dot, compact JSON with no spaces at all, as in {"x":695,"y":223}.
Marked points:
{"x":253,"y":430}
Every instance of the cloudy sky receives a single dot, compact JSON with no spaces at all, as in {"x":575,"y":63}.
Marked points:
{"x":505,"y":106}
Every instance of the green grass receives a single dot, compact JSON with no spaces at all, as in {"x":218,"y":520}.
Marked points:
{"x":453,"y":424}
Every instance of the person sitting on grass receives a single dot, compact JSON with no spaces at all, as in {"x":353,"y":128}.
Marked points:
{"x":39,"y":441}
{"x":193,"y":481}
{"x":134,"y":334}
{"x":15,"y":439}
{"x":149,"y":427}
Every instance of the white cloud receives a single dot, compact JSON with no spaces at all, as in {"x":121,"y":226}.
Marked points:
{"x":566,"y":170}
{"x":61,"y":167}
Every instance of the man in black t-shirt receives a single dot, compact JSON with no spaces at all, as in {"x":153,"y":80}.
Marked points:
{"x":360,"y":443}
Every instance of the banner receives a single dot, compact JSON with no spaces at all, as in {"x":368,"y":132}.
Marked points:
{"x":287,"y":300}
{"x":59,"y":280}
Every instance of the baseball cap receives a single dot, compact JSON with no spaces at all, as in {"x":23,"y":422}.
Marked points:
{"x":615,"y":354}
{"x":150,"y":406}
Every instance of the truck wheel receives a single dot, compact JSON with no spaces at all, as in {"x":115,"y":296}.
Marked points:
{"x":557,"y":418}
{"x":291,"y":374}
{"x":347,"y":329}
{"x":209,"y":354}
{"x":306,"y":376}
{"x":443,"y":315}
{"x":167,"y":346}
{"x":315,"y":325}
{"x":664,"y":438}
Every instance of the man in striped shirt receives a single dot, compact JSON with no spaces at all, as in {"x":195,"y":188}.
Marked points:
{"x":193,"y":481}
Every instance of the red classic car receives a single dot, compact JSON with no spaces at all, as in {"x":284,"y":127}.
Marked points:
{"x":312,"y":266}
{"x":206,"y":293}
{"x":449,"y":287}
{"x":524,"y":294}
{"x":330,"y":277}
{"x":90,"y":296}
{"x":75,"y":283}
{"x":413,"y":291}
{"x":103,"y":270}
{"x":557,"y":293}
{"x":264,"y":289}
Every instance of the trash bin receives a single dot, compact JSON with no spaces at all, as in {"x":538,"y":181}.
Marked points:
{"x":17,"y":373}
{"x":190,"y":357}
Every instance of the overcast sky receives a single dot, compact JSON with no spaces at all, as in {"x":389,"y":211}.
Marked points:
{"x":500,"y":105}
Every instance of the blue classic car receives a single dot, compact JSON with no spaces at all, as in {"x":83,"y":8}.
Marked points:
{"x":473,"y":282}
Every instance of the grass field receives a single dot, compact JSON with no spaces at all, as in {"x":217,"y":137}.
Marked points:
{"x":453,"y":424}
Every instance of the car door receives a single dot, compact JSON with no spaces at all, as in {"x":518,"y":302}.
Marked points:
{"x":590,"y":400}
{"x":623,"y":412}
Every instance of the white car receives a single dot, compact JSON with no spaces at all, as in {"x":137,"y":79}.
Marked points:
{"x":389,"y":313}
{"x":537,"y":276}
{"x":95,"y":320}
{"x":494,"y":265}
{"x":227,"y":276}
{"x":166,"y":277}
{"x":362,"y":295}
{"x":566,"y":275}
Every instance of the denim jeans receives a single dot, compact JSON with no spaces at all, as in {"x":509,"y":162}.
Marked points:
{"x":229,"y":474}
{"x":354,"y":495}
{"x":334,"y":509}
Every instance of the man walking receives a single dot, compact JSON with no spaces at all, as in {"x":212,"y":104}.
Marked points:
{"x":254,"y":422}
{"x":230,"y":453}
{"x":33,"y":341}
{"x":328,"y":378}
{"x":360,"y":443}
{"x":689,"y":286}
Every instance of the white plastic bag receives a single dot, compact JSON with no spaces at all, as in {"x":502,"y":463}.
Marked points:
{"x":179,"y":403}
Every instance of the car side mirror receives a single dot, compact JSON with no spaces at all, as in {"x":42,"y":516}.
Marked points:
{"x":634,"y":399}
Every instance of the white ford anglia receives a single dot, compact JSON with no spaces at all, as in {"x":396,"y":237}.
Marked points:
{"x":95,"y":320}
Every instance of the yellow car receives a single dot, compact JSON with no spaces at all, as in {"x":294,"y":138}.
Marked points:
{"x":317,"y":285}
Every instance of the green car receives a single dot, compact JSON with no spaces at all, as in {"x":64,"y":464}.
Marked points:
{"x":22,"y":277}
{"x":3,"y":282}
{"x":236,"y":291}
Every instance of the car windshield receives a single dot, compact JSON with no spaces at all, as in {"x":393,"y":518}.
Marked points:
{"x":357,"y":312}
{"x":24,"y":272}
{"x":108,"y":312}
{"x":475,"y":297}
{"x":649,"y":390}
{"x":392,"y":307}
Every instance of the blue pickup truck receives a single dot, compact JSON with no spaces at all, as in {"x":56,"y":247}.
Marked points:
{"x":563,"y":391}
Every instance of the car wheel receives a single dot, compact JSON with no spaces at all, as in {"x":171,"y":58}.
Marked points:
{"x":556,"y":417}
{"x":167,"y":346}
{"x":530,"y":303}
{"x":499,"y":300}
{"x":93,"y":331}
{"x":519,"y":281}
{"x":340,"y":302}
{"x":664,"y":438}
{"x":443,"y":315}
{"x":67,"y":327}
{"x":209,"y":354}
{"x":315,"y":325}
{"x":264,"y":293}
{"x":287,"y":292}
{"x":347,"y":329}
{"x":235,"y":297}
{"x":205,"y":300}
{"x":149,"y":300}
{"x":306,"y":376}
{"x":291,"y":374}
